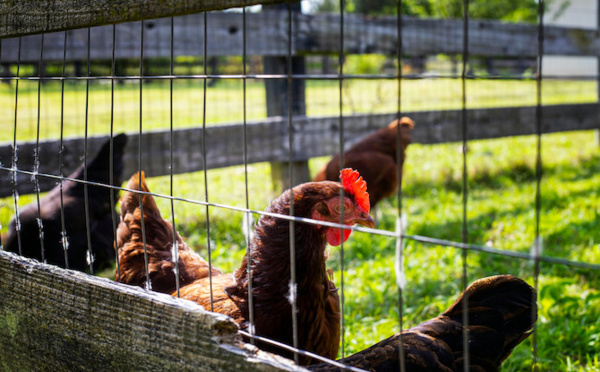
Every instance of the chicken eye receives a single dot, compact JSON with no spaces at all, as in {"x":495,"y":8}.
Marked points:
{"x":338,"y":208}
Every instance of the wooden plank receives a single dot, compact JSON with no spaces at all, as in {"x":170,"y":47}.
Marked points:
{"x":27,"y":17}
{"x":224,"y":37}
{"x":62,"y":320}
{"x":267,"y":141}
{"x":422,"y":36}
{"x":316,"y":33}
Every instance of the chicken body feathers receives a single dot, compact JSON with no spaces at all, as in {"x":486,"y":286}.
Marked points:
{"x":501,"y":315}
{"x":101,"y":215}
{"x":375,"y":158}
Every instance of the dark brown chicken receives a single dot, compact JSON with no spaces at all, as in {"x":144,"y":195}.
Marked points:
{"x":317,"y":299}
{"x":100,"y":216}
{"x":502,"y":312}
{"x":374,"y":158}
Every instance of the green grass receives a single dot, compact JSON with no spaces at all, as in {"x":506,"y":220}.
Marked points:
{"x":225,"y":102}
{"x":501,"y":192}
{"x":500,"y":212}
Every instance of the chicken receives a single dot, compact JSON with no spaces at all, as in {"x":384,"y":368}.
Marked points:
{"x":100,"y":216}
{"x":159,"y":244}
{"x":502,"y":311}
{"x":318,"y":307}
{"x":374,"y":158}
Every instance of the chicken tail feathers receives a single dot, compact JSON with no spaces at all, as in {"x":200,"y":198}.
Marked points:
{"x":130,"y":202}
{"x":501,"y":314}
{"x":505,"y":308}
{"x":98,"y":169}
{"x":101,"y":161}
{"x":134,"y":245}
{"x":159,"y":244}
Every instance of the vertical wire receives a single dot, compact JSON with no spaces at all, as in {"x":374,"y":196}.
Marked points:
{"x":1,"y":246}
{"x":111,"y":148}
{"x":465,"y":143}
{"x":204,"y":162}
{"x":175,"y":243}
{"x":90,"y":256}
{"x":245,"y":140}
{"x":399,"y":162}
{"x":538,"y":171}
{"x":293,"y":278}
{"x":15,"y":157}
{"x":141,"y":196}
{"x":37,"y":154}
{"x":64,"y":240}
{"x":341,"y":142}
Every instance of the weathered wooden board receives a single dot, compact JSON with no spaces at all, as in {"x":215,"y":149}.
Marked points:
{"x":267,"y":141}
{"x":224,"y":37}
{"x":53,"y":319}
{"x":26,"y":17}
{"x":266,"y":34}
{"x":423,"y":36}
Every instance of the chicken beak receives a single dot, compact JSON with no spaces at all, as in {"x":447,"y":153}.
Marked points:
{"x":365,"y":221}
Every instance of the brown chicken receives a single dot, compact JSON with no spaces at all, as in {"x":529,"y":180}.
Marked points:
{"x":502,"y":311}
{"x":100,"y":216}
{"x":374,"y":158}
{"x":159,"y":244}
{"x":317,"y":302}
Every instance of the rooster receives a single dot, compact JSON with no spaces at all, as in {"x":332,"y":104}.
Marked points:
{"x":101,"y":216}
{"x":317,"y":301}
{"x":375,"y":159}
{"x":501,"y":313}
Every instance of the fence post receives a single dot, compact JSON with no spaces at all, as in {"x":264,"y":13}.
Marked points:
{"x":277,"y":105}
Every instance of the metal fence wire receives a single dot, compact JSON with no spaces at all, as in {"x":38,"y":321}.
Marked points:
{"x":208,"y":171}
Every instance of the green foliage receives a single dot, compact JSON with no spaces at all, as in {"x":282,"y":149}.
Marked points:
{"x":505,"y":10}
{"x":364,"y":64}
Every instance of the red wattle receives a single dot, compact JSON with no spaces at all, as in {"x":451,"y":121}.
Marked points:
{"x":334,"y":236}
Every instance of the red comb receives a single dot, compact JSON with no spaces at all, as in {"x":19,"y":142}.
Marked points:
{"x":354,"y":185}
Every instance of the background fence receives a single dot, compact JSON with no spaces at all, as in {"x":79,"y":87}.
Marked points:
{"x":245,"y":55}
{"x":314,"y":34}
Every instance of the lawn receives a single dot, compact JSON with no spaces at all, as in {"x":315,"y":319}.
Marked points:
{"x":224,"y":102}
{"x":500,"y":204}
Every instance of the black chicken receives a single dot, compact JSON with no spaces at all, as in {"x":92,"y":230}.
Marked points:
{"x":100,"y":216}
{"x":502,"y":312}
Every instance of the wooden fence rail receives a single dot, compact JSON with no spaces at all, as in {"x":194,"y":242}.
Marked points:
{"x":267,"y":141}
{"x":312,"y":34}
{"x":26,"y":17}
{"x":53,"y":319}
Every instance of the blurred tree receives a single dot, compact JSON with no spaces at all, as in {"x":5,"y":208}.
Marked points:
{"x":506,"y":10}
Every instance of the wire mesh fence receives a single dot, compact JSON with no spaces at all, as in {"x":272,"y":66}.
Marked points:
{"x":225,"y":110}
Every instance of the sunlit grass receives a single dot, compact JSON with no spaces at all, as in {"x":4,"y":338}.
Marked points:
{"x":224,"y":102}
